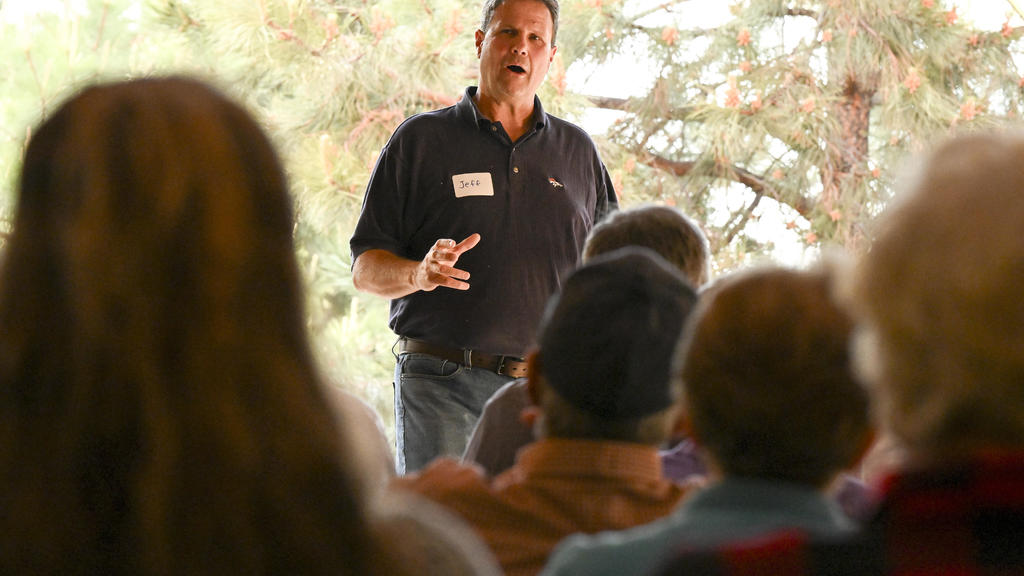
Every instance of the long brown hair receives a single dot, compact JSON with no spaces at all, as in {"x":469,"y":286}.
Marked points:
{"x":160,"y":410}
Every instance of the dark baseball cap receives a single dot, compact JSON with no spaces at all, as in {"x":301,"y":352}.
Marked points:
{"x":608,"y":338}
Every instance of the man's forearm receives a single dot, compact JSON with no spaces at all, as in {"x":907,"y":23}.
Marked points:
{"x":385,"y":274}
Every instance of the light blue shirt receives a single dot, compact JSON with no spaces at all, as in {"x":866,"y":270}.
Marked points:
{"x":730,"y":510}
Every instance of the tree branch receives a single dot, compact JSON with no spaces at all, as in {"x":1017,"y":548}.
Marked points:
{"x":684,"y":167}
{"x":802,"y":12}
{"x":629,"y":104}
{"x":609,"y":103}
{"x":666,"y":6}
{"x":756,"y":184}
{"x":739,"y":221}
{"x":1017,"y":7}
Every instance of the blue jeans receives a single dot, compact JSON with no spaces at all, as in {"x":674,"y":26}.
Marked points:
{"x":437,"y":404}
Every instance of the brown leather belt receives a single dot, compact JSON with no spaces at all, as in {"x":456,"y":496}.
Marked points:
{"x":513,"y":366}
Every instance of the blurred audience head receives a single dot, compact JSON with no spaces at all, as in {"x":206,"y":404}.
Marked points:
{"x":605,"y":350}
{"x":159,"y":407}
{"x":768,"y":384}
{"x":940,"y":293}
{"x":662,"y":229}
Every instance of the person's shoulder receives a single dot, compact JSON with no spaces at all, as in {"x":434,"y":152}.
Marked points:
{"x":426,"y":122}
{"x":613,"y":551}
{"x":567,"y":127}
{"x":363,"y":433}
{"x":433,"y":539}
{"x":572,"y":139}
{"x":512,"y":391}
{"x":581,"y":554}
{"x":788,"y":552}
{"x":442,"y":478}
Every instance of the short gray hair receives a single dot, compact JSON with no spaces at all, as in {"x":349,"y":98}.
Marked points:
{"x":491,"y":5}
{"x":561,"y":419}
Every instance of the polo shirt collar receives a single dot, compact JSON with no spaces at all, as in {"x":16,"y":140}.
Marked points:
{"x":468,"y":110}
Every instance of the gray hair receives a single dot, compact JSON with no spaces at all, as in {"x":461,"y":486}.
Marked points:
{"x":561,"y":419}
{"x":940,"y":294}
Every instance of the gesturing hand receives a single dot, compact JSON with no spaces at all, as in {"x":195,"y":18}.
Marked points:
{"x":438,"y":267}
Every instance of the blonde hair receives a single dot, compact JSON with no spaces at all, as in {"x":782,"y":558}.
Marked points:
{"x":941,"y":293}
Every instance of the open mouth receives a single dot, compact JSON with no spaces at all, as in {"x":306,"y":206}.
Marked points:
{"x":516,"y":68}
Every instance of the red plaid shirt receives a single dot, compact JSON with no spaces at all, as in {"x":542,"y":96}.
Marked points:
{"x":962,"y":520}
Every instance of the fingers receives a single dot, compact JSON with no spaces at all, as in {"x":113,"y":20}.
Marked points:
{"x":450,"y":281}
{"x":447,"y":251}
{"x":467,"y":244}
{"x":438,"y":266}
{"x":435,"y":275}
{"x":449,"y":277}
{"x":452,"y":272}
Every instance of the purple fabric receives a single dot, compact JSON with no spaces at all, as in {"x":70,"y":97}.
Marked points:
{"x":857,"y":499}
{"x":682,"y":461}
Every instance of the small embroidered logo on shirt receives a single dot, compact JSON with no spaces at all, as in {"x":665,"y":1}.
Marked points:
{"x":555,"y":183}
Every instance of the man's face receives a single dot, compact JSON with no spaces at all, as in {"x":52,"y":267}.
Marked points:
{"x":515,"y":51}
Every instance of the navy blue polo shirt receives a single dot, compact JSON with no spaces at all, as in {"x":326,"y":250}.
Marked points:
{"x":450,"y":173}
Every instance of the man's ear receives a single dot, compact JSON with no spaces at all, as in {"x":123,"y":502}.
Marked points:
{"x":534,"y":374}
{"x":479,"y":38}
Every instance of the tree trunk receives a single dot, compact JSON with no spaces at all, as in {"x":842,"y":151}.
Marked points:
{"x":846,"y":158}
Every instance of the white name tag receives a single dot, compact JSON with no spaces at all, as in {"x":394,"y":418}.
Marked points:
{"x":473,"y":184}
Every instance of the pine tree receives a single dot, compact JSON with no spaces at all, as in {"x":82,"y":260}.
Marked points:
{"x":812,"y":104}
{"x":46,"y":55}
